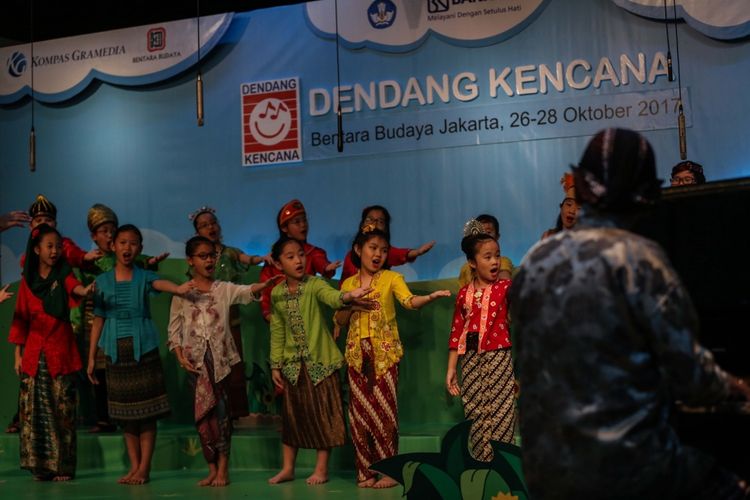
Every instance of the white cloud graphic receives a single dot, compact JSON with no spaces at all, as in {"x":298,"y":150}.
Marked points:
{"x":156,"y":243}
{"x":722,"y":19}
{"x":407,"y":23}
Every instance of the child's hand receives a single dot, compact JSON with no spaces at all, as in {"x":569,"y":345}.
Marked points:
{"x":332,"y":266}
{"x":451,"y":382}
{"x":186,"y":287}
{"x":425,"y":248}
{"x":90,"y":289}
{"x":439,"y":293}
{"x":264,"y":259}
{"x":90,"y":372}
{"x":359,"y":292}
{"x":269,"y":283}
{"x":187,"y":365}
{"x":5,"y":294}
{"x":93,"y":255}
{"x":278,"y":379}
{"x":158,"y":258}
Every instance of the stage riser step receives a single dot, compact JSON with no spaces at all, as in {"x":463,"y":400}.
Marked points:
{"x":106,"y":452}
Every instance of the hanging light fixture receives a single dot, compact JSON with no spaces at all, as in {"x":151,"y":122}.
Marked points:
{"x":670,"y":74}
{"x":339,"y":118}
{"x":32,"y":133}
{"x":199,"y":78}
{"x":680,"y":109}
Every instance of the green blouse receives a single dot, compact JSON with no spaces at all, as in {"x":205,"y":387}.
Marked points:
{"x":299,"y":332}
{"x":229,"y":267}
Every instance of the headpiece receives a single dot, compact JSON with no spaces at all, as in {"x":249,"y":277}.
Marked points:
{"x":42,"y":206}
{"x":617,"y":171}
{"x":568,"y":185}
{"x":100,"y":214}
{"x":368,"y":228}
{"x":473,"y":227}
{"x":202,"y":210}
{"x":290,"y":211}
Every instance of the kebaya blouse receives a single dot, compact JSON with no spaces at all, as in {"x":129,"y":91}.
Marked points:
{"x":379,"y":324}
{"x":484,"y":311}
{"x":41,"y":333}
{"x":200,"y":321}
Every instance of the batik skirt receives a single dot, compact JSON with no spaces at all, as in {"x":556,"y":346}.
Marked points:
{"x":136,"y":389}
{"x":312,"y":416}
{"x":211,"y":411}
{"x":47,"y":419}
{"x":488,"y":394}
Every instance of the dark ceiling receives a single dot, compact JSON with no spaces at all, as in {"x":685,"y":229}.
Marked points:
{"x":57,"y":19}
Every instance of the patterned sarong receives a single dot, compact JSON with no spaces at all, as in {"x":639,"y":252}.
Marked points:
{"x":48,"y":423}
{"x":211,"y":411}
{"x":136,"y":388}
{"x":487,"y":391}
{"x":373,"y":413}
{"x":312,"y":416}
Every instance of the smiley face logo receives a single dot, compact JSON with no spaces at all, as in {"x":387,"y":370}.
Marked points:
{"x":270,"y":121}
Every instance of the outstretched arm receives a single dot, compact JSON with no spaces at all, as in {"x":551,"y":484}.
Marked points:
{"x":421,"y":250}
{"x":173,"y":288}
{"x":96,"y":332}
{"x":418,"y":301}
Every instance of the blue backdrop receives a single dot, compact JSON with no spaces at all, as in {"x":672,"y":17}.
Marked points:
{"x":138,"y":149}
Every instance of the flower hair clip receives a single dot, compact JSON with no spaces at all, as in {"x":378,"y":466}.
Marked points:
{"x":368,"y":228}
{"x":202,"y":210}
{"x":473,"y":227}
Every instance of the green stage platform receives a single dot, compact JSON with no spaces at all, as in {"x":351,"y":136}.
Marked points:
{"x":179,"y":464}
{"x":182,"y":485}
{"x":254,"y":448}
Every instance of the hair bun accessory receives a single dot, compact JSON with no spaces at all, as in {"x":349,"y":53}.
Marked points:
{"x":473,"y":227}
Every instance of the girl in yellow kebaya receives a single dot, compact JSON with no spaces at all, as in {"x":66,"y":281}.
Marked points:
{"x":373,"y":352}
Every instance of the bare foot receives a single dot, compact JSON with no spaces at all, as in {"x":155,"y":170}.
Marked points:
{"x":367,"y":483}
{"x":221,"y":480}
{"x":137,"y":479}
{"x":124,"y":479}
{"x":208,"y":480}
{"x":385,"y":482}
{"x":317,"y":478}
{"x":62,"y":478}
{"x":281,"y":477}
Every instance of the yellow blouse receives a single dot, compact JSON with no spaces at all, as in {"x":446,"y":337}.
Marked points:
{"x":379,"y":324}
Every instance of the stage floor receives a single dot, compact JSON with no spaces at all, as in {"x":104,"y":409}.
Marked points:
{"x":182,"y":484}
{"x":178,"y":465}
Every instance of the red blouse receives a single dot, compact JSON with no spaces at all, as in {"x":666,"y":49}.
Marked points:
{"x":40,"y":333}
{"x":396,"y":257}
{"x":316,"y":263}
{"x":482,"y":311}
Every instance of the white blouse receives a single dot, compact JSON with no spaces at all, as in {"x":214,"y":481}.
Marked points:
{"x":200,"y":320}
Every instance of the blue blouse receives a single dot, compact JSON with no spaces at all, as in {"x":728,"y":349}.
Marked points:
{"x":124,"y":305}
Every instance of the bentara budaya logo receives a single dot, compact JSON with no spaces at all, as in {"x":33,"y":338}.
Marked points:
{"x":16,"y":64}
{"x":381,"y":14}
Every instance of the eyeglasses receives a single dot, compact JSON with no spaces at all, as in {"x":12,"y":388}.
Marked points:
{"x":204,"y":225}
{"x":206,"y":255}
{"x":686,"y":180}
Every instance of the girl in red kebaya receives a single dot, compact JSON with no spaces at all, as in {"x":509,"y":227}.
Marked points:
{"x":46,"y":358}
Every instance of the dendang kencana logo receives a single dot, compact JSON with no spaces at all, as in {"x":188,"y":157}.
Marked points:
{"x":16,"y":64}
{"x":156,"y":39}
{"x":381,"y":14}
{"x":270,"y":122}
